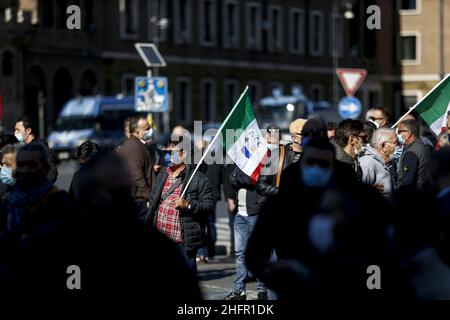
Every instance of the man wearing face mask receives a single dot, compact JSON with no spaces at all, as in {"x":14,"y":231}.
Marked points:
{"x":376,"y":163}
{"x":8,"y":163}
{"x":413,"y":167}
{"x":139,"y":162}
{"x":34,"y":200}
{"x":348,"y":141}
{"x":23,"y":130}
{"x":279,"y":158}
{"x":283,"y":220}
{"x":295,"y":129}
{"x":380,"y":116}
{"x":182,"y":220}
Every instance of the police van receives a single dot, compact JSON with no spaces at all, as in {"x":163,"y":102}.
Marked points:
{"x":97,"y":119}
{"x":281,"y":110}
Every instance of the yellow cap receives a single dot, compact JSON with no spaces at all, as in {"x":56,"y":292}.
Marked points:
{"x":297,"y":126}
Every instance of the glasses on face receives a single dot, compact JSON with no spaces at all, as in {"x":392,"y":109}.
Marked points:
{"x":395,"y":142}
{"x":319,"y":162}
{"x":374,"y":119}
{"x":400,"y":131}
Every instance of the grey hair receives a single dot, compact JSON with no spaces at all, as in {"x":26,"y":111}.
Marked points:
{"x":380,"y":136}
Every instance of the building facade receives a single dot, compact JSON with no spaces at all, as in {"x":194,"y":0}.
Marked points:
{"x":424,"y":46}
{"x":213,"y":48}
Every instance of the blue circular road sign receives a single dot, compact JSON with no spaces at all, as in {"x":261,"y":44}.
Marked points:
{"x":349,"y":107}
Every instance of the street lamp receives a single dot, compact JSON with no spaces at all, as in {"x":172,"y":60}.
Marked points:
{"x":348,"y":13}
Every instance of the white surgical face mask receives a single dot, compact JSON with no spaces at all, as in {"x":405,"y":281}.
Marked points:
{"x":401,"y":140}
{"x":148,"y":135}
{"x":19,"y":137}
{"x":321,"y":232}
{"x":6,"y":176}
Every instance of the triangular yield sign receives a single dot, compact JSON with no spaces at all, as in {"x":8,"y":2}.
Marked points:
{"x":351,"y":79}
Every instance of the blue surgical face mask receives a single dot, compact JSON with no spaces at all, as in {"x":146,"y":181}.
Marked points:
{"x":6,"y":176}
{"x":175,"y":158}
{"x":314,"y":176}
{"x":19,"y":137}
{"x":397,"y":153}
{"x":167,"y":159}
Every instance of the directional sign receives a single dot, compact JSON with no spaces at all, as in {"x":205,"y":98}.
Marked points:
{"x":351,"y":79}
{"x":151,"y":94}
{"x":349,"y":107}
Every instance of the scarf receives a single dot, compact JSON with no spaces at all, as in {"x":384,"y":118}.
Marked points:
{"x":19,"y":203}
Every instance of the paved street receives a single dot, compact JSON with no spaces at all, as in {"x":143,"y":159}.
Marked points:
{"x":217,"y":276}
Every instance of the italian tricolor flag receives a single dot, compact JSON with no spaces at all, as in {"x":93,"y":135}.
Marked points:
{"x":242,"y":139}
{"x":433,"y":108}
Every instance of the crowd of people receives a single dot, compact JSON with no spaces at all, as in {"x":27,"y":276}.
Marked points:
{"x":342,"y":197}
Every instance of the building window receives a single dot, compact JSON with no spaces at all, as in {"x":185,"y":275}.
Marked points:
{"x":254,"y":26}
{"x":409,"y":6}
{"x":182,"y":20}
{"x":46,"y":13}
{"x":336,"y":33}
{"x":231,"y":93}
{"x":127,"y":84}
{"x":255,"y":90}
{"x":7,"y":64}
{"x":275,"y":29}
{"x":317,"y":92}
{"x":410,"y":98}
{"x":316,"y":33}
{"x":129,"y":19}
{"x":297,"y":31}
{"x":207,"y":23}
{"x":410,"y":48}
{"x":183,"y":99}
{"x":60,"y":13}
{"x":89,"y":15}
{"x":158,"y":22}
{"x":231,"y":23}
{"x":208,"y":96}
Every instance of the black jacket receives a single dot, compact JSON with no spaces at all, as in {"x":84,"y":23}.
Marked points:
{"x":201,"y":198}
{"x":53,"y":170}
{"x":414,"y":171}
{"x":266,"y":184}
{"x":283,"y":225}
{"x":253,"y":200}
{"x":343,"y":157}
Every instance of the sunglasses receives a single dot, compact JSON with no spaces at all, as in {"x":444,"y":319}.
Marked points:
{"x":319,"y":162}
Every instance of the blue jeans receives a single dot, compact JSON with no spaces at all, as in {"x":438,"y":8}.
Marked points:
{"x":209,"y":249}
{"x":243,"y":227}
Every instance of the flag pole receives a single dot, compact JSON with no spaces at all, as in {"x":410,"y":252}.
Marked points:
{"x":413,"y":107}
{"x":212,"y":142}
